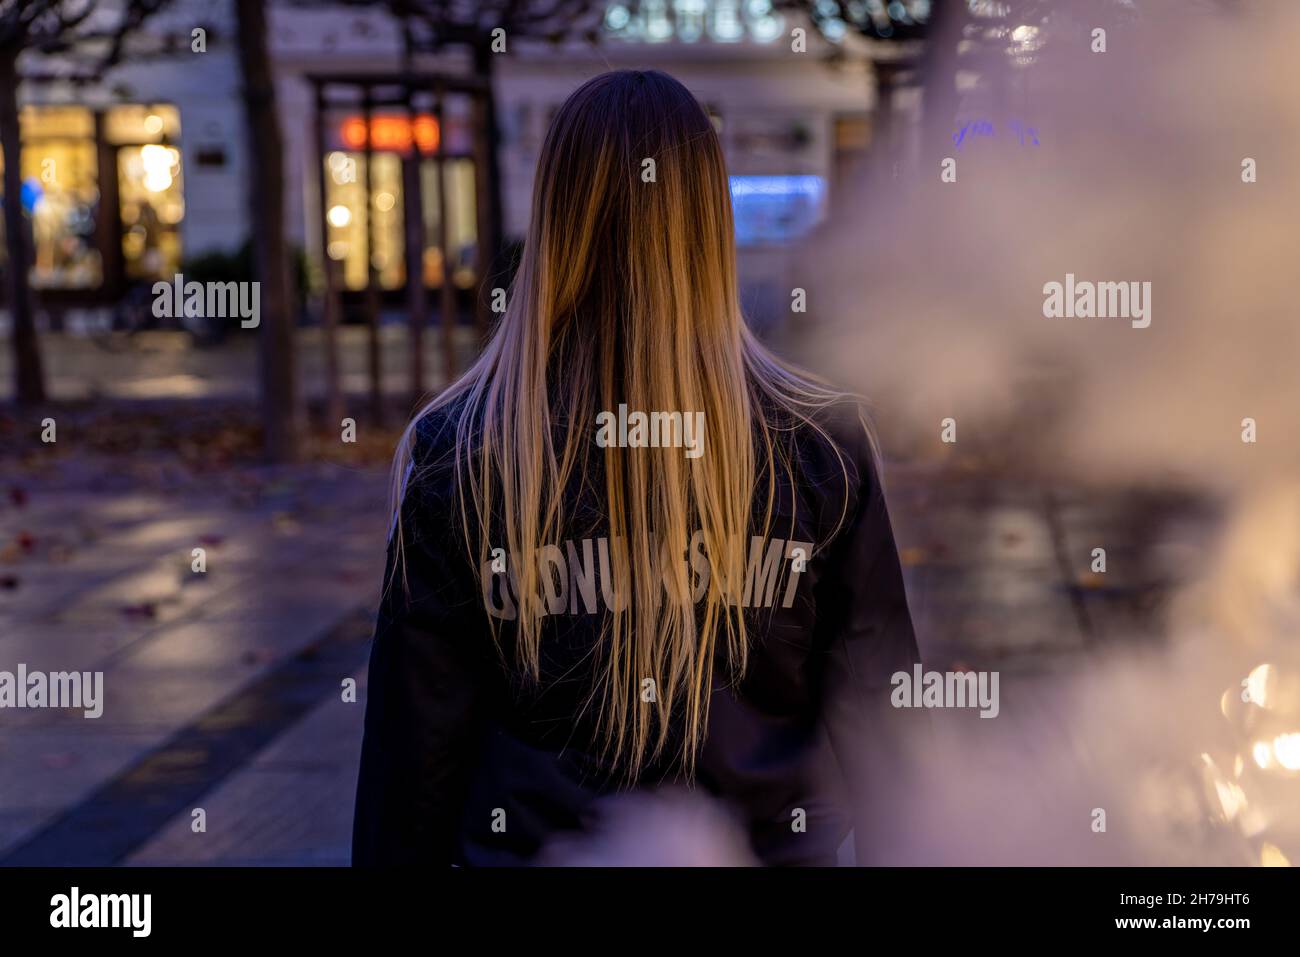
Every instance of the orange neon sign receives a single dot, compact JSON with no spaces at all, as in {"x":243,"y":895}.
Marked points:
{"x":391,"y":132}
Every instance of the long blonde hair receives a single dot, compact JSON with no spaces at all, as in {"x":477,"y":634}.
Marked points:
{"x":626,"y":293}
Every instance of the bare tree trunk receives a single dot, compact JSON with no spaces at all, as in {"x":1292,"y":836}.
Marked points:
{"x":266,"y":221}
{"x":29,"y":377}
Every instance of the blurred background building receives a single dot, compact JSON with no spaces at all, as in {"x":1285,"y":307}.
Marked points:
{"x":143,"y":174}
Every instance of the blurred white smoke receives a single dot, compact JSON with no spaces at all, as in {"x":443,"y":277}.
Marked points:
{"x":928,"y":296}
{"x":670,"y":828}
{"x":938,"y":312}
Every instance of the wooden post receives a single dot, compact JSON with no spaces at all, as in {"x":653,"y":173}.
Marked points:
{"x":413,"y":221}
{"x":334,"y":408}
{"x":448,"y":300}
{"x":372,"y":275}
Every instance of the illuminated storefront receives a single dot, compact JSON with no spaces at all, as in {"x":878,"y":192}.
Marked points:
{"x":104,"y":196}
{"x":795,"y":129}
{"x":397,"y":172}
{"x":346,"y":204}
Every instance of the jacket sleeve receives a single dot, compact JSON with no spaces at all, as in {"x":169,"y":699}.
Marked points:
{"x":868,"y":638}
{"x":425,"y":692}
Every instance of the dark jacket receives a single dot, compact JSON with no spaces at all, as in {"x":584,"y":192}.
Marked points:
{"x":454,"y":736}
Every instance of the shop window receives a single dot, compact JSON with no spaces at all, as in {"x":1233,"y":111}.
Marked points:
{"x":73,"y":122}
{"x":347,"y":209}
{"x":60,"y":194}
{"x":150,"y":187}
{"x":462,"y":223}
{"x":137,"y":124}
{"x":60,"y":166}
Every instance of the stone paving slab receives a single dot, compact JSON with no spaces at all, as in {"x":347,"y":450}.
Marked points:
{"x":171,"y":643}
{"x":169,"y":778}
{"x":43,"y":771}
{"x":291,"y":805}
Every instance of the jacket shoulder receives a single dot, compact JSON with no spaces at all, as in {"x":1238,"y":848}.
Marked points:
{"x":835,"y":449}
{"x":431,"y":472}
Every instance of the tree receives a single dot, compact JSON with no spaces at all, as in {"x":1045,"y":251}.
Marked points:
{"x":91,"y":37}
{"x":487,"y":28}
{"x":898,"y":27}
{"x":278,"y":377}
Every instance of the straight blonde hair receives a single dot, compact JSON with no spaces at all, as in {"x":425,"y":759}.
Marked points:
{"x":626,"y":293}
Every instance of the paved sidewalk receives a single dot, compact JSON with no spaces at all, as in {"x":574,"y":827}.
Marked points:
{"x":164,"y":364}
{"x":107,"y":586}
{"x":292,"y":804}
